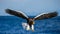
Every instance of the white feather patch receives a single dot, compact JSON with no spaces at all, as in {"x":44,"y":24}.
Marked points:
{"x":23,"y":13}
{"x":26,"y":26}
{"x":41,"y":14}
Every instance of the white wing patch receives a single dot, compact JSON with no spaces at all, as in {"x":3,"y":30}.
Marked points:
{"x":40,"y":14}
{"x":23,"y":14}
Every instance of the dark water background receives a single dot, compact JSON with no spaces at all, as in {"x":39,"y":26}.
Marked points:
{"x":12,"y":25}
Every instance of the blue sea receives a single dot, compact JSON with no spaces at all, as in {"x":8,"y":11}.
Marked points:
{"x":13,"y":25}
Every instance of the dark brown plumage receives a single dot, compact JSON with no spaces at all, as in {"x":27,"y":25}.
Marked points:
{"x":30,"y":21}
{"x":46,"y":16}
{"x":18,"y":14}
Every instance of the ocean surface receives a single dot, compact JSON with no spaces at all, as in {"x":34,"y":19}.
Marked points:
{"x":13,"y":25}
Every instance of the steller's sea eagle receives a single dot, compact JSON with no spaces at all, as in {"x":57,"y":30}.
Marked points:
{"x":30,"y":21}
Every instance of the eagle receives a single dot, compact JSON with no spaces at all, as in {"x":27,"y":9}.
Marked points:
{"x":30,"y":21}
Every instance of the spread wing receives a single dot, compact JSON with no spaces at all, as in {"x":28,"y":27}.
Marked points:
{"x":19,"y":14}
{"x":46,"y":15}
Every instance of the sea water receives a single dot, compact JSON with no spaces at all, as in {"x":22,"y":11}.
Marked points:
{"x":13,"y":25}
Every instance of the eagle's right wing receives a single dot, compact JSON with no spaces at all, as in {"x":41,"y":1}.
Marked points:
{"x":45,"y":16}
{"x":19,"y":14}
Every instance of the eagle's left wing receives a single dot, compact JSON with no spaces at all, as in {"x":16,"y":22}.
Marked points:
{"x":45,"y":16}
{"x":16,"y":13}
